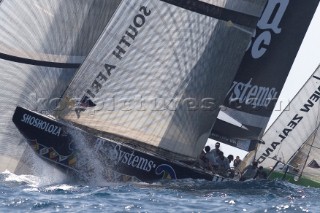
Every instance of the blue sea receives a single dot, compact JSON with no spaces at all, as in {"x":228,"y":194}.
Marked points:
{"x":28,"y":193}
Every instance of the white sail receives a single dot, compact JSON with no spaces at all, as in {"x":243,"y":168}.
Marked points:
{"x":159,"y":73}
{"x":42,"y":42}
{"x":294,"y":127}
{"x":306,"y":162}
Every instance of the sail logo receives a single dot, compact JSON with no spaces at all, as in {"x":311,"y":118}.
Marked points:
{"x":268,"y":23}
{"x":40,"y":124}
{"x":118,"y":155}
{"x":249,"y":94}
{"x":121,"y":49}
{"x":297,"y":118}
{"x":130,"y":35}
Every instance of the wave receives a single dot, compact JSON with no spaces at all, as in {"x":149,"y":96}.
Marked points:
{"x":33,"y":181}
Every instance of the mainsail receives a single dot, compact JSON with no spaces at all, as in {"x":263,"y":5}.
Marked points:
{"x":262,"y":73}
{"x":293,"y":139}
{"x":159,"y":71}
{"x":42,"y":44}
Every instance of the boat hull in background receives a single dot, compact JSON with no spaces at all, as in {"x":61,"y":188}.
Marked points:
{"x":303,"y":181}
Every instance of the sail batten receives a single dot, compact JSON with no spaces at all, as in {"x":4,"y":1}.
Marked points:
{"x":40,"y":62}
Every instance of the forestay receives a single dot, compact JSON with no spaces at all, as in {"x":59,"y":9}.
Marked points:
{"x":159,"y":72}
{"x":42,"y":43}
{"x":295,"y":132}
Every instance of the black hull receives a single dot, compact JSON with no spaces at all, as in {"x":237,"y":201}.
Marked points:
{"x":56,"y":143}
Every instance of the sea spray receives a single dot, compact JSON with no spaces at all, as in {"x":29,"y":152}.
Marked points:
{"x":90,"y":168}
{"x":46,"y":173}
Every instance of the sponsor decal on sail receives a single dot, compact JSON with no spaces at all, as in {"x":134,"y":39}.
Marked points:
{"x":297,"y":118}
{"x":249,"y":94}
{"x":41,"y":124}
{"x":268,"y":23}
{"x":120,"y":51}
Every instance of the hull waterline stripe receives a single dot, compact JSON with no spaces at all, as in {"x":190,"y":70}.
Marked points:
{"x":216,"y":12}
{"x":37,"y":62}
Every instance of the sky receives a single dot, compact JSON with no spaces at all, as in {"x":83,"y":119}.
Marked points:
{"x":307,"y":60}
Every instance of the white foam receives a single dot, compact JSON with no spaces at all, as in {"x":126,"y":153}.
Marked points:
{"x":30,"y":180}
{"x":64,"y":187}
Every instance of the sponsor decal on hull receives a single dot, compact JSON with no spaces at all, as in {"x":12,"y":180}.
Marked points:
{"x":41,"y":124}
{"x":166,"y":171}
{"x":118,"y":155}
{"x":131,"y":159}
{"x":51,"y":154}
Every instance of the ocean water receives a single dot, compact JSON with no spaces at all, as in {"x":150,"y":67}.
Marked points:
{"x":27,"y":193}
